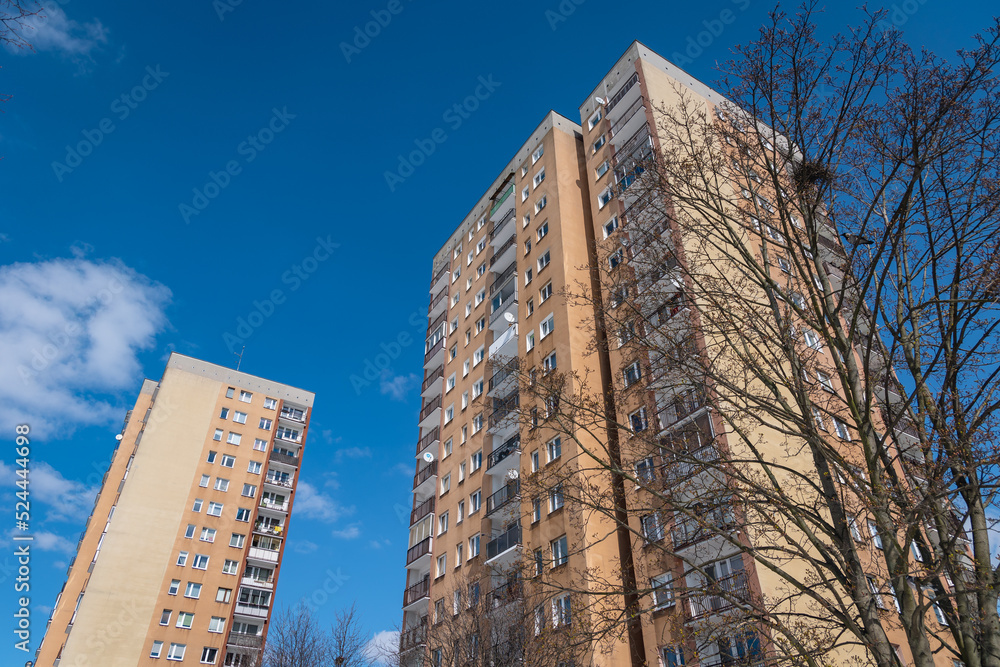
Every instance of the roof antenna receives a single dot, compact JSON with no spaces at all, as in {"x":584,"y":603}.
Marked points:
{"x":240,"y":355}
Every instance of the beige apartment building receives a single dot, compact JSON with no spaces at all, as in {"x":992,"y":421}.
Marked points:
{"x":180,"y":558}
{"x":557,"y":220}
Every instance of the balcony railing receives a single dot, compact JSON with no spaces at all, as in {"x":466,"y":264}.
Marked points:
{"x":270,"y":505}
{"x":422,"y":510}
{"x":433,"y":326}
{"x":293,"y":414}
{"x":277,"y":481}
{"x":269,"y":529}
{"x":505,"y":495}
{"x":418,"y":550}
{"x":414,"y":637}
{"x":430,"y":407}
{"x":424,"y":474}
{"x":507,"y":540}
{"x":503,"y":451}
{"x":627,"y":116}
{"x":634,"y":79}
{"x":498,"y":252}
{"x":503,"y":306}
{"x":504,"y":372}
{"x":284,"y":458}
{"x":501,"y":409}
{"x":434,"y":349}
{"x":439,"y":274}
{"x":426,"y":441}
{"x":259,"y":611}
{"x":417,"y":591}
{"x":728,"y":592}
{"x":438,"y":299}
{"x":502,"y":279}
{"x":506,"y":592}
{"x":435,"y":375}
{"x":499,"y":227}
{"x":243,"y":640}
{"x":502,"y":199}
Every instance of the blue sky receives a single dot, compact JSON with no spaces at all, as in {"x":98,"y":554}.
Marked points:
{"x":167,"y":171}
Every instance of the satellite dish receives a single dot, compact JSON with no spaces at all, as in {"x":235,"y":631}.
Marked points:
{"x":428,"y":457}
{"x":509,"y":317}
{"x":512,"y":474}
{"x":118,"y":437}
{"x":600,"y":100}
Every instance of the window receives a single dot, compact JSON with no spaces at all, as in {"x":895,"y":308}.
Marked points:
{"x":218,"y":435}
{"x":443,"y":523}
{"x":249,"y":490}
{"x":260,"y":445}
{"x":561,"y":611}
{"x":460,"y":511}
{"x":549,"y":363}
{"x":473,"y":546}
{"x":529,"y":341}
{"x":480,"y":296}
{"x":479,"y":355}
{"x":632,"y":373}
{"x":545,"y":292}
{"x":534,"y":461}
{"x":234,"y":438}
{"x":189,"y":532}
{"x":537,"y":154}
{"x":205,"y":479}
{"x":841,"y":429}
{"x":450,"y":383}
{"x":165,"y":616}
{"x":873,"y":531}
{"x":208,"y":655}
{"x":254,"y":467}
{"x":476,"y":461}
{"x":182,"y":558}
{"x":560,"y":551}
{"x":812,"y":340}
{"x":543,"y":229}
{"x":237,"y":540}
{"x":645,"y":470}
{"x":453,"y":352}
{"x":610,"y":226}
{"x":818,"y":418}
{"x":214,"y":509}
{"x":243,"y":514}
{"x":446,"y":484}
{"x":221,"y":484}
{"x":852,"y":524}
{"x":652,"y":527}
{"x":673,"y":656}
{"x":240,"y":417}
{"x":480,"y":324}
{"x":873,"y":589}
{"x":468,"y":309}
{"x":543,"y":261}
{"x":530,"y":305}
{"x":637,"y":420}
{"x":200,"y":562}
{"x":185,"y":620}
{"x":824,"y":381}
{"x":615,"y":259}
{"x":442,"y":564}
{"x":556,"y":499}
{"x":475,"y":500}
{"x":540,"y":204}
{"x":477,"y":388}
{"x":539,"y":561}
{"x":601,"y":170}
{"x":536,"y":510}
{"x":228,"y":461}
{"x":604,"y":198}
{"x":270,"y":403}
{"x":527,"y":277}
{"x":208,"y":534}
{"x":155,"y":651}
{"x":915,"y":550}
{"x":554,"y":449}
{"x":229,"y":392}
{"x":539,"y":177}
{"x":547,"y":325}
{"x":192,"y":590}
{"x":196,"y":507}
{"x":224,"y":595}
{"x":230,"y":566}
{"x":175,"y":586}
{"x":594,"y":120}
{"x":265,"y":424}
{"x":596,"y":146}
{"x":176,"y":651}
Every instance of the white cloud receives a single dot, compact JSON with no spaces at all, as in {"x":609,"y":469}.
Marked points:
{"x":314,"y":504}
{"x":397,"y":386}
{"x":353,"y":453}
{"x":351,"y":532}
{"x":62,"y":499}
{"x":303,"y":546}
{"x":71,"y":330}
{"x":382,"y":646}
{"x":46,"y":541}
{"x":52,"y":30}
{"x":378,"y":544}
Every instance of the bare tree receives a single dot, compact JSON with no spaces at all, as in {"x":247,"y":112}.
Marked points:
{"x":348,"y":639}
{"x":803,"y":296}
{"x":296,"y":639}
{"x":16,"y":19}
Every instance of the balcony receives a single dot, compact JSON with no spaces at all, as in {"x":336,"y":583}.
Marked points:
{"x":503,"y":256}
{"x":262,"y":528}
{"x":426,"y":473}
{"x":506,"y":541}
{"x":502,"y":201}
{"x":413,"y":638}
{"x":502,"y":373}
{"x":502,"y":229}
{"x":503,"y":304}
{"x":267,"y":583}
{"x":502,"y":409}
{"x":286,"y":459}
{"x":505,"y":345}
{"x":436,"y":324}
{"x":243,"y":640}
{"x":434,"y":356}
{"x":271,"y":505}
{"x":505,"y":495}
{"x":418,"y":551}
{"x":502,"y":452}
{"x":438,"y":304}
{"x":422,"y":510}
{"x":432,"y":383}
{"x":255,"y":610}
{"x":636,"y":107}
{"x":279,"y":481}
{"x":501,"y":280}
{"x":416,"y":593}
{"x":293,"y":414}
{"x":439,"y":277}
{"x":430,"y":413}
{"x":620,"y":95}
{"x":507,"y":592}
{"x":428,"y":440}
{"x":725,"y":593}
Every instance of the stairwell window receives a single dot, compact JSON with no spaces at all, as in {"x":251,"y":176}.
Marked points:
{"x":539,"y":177}
{"x":543,"y":229}
{"x":663,"y":592}
{"x":632,"y":373}
{"x":595,"y":119}
{"x":610,"y":226}
{"x":637,"y":420}
{"x":548,"y":324}
{"x":596,"y":146}
{"x":537,"y":154}
{"x":604,"y":198}
{"x":545,"y":292}
{"x":540,"y":204}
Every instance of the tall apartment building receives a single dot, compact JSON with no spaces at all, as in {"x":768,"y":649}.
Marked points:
{"x":180,"y":557}
{"x":557,"y":218}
